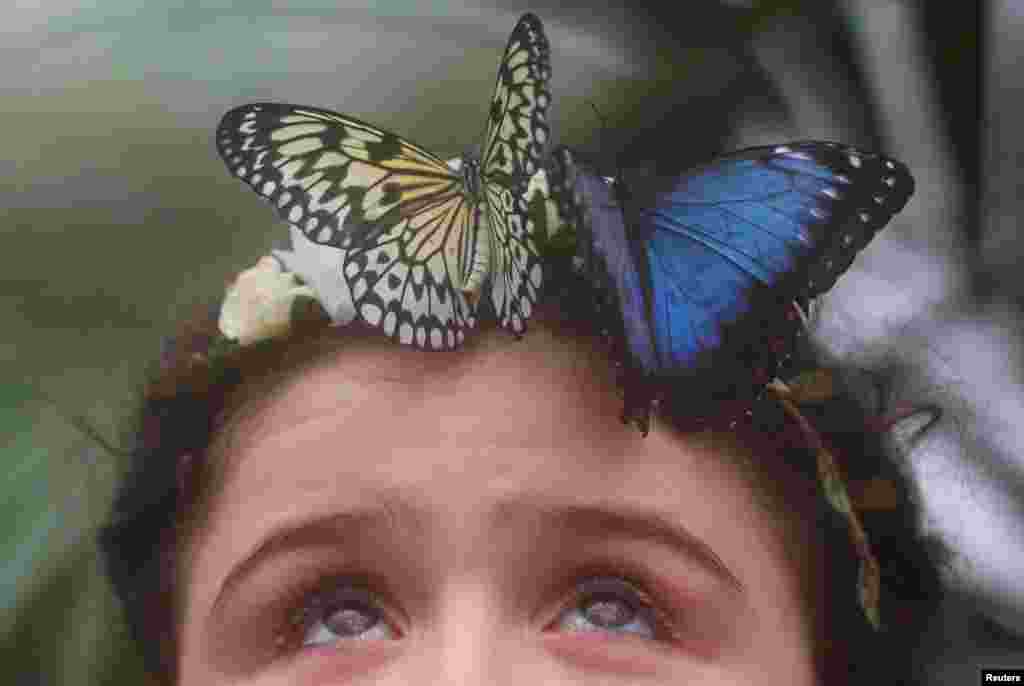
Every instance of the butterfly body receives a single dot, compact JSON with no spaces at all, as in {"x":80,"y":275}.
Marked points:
{"x":704,"y":268}
{"x":424,"y":239}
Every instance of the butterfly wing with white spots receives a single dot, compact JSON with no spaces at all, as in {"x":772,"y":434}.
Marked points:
{"x":515,"y":138}
{"x":401,"y":213}
{"x":421,"y":236}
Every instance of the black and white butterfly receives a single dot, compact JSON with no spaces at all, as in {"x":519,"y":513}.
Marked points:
{"x":424,"y":239}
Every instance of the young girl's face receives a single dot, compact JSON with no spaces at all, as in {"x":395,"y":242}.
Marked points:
{"x":479,"y":518}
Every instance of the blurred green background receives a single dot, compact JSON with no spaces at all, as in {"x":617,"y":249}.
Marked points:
{"x":118,"y":216}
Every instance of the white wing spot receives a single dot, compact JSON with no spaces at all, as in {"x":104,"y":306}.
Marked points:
{"x":288,"y":171}
{"x":330,"y":159}
{"x":782,"y":150}
{"x":325,"y":234}
{"x":855,"y":161}
{"x":295,"y":130}
{"x":269,"y":187}
{"x":831,"y":193}
{"x":359,"y":290}
{"x":879,"y":200}
{"x":285,"y":198}
{"x":371,"y":313}
{"x":889,"y":181}
{"x":421,"y":335}
{"x":864,"y":217}
{"x":536,"y":275}
{"x":435,"y":338}
{"x":889,"y":164}
{"x":295,"y":214}
{"x":390,"y":321}
{"x":817,"y":213}
{"x":242,"y":171}
{"x":300,"y":147}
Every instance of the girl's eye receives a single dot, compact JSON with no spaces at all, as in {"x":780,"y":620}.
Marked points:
{"x":346,"y":613}
{"x":614,"y":605}
{"x":599,"y":603}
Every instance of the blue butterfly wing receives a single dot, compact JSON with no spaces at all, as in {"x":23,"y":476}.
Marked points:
{"x":608,"y":256}
{"x":608,"y":259}
{"x":758,"y":228}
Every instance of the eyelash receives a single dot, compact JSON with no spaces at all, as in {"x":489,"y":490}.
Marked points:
{"x":633,"y":586}
{"x":305,"y":605}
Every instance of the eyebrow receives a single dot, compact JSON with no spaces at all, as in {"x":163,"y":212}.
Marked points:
{"x":295,"y":534}
{"x":597,"y":520}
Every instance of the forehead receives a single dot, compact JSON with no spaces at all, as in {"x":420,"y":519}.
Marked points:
{"x":495,"y":388}
{"x":457,"y":430}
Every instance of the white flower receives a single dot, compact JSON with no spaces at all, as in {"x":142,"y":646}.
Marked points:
{"x":320,"y":267}
{"x":258,"y":304}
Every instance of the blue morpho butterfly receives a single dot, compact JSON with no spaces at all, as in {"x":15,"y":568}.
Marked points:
{"x":702,"y":271}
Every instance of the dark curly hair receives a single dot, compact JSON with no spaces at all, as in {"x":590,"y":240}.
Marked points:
{"x":161,"y":497}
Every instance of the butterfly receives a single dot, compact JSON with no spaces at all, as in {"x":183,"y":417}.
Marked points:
{"x":423,"y":238}
{"x":702,"y":270}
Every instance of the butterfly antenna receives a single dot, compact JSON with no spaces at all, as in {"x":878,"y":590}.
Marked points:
{"x":604,"y":134}
{"x":83,"y":425}
{"x":604,"y":126}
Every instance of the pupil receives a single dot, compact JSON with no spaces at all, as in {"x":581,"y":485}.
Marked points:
{"x":350,"y":620}
{"x":609,"y":612}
